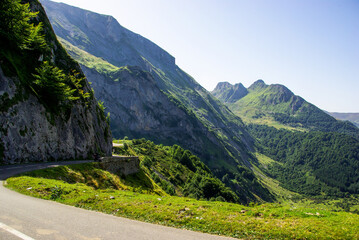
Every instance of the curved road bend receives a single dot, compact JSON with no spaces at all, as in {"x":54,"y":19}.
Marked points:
{"x":24,"y":217}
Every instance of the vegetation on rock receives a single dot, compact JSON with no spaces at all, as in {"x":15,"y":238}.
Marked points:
{"x":42,"y":85}
{"x":27,"y":54}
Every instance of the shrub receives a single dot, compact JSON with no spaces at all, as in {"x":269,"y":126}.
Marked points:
{"x":50,"y":84}
{"x":16,"y":29}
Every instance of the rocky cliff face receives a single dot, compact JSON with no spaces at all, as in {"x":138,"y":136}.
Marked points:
{"x":140,"y":109}
{"x":156,"y":99}
{"x":120,"y":47}
{"x":29,"y":131}
{"x":29,"y":134}
{"x":102,"y":35}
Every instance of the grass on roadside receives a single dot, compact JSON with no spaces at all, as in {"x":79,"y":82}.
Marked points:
{"x":266,"y":221}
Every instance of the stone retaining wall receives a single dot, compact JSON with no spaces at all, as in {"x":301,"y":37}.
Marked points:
{"x":123,"y":165}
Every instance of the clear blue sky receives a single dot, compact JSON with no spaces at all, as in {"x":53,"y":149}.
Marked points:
{"x":311,"y":46}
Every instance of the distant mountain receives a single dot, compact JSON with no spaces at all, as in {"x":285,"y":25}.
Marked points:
{"x":321,"y":158}
{"x":275,"y":105}
{"x":229,"y":93}
{"x":353,"y":117}
{"x":148,"y":95}
{"x":47,"y":110}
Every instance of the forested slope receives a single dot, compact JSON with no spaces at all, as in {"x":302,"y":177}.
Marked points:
{"x":312,"y":163}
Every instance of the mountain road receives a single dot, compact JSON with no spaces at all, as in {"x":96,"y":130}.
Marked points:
{"x":25,"y":217}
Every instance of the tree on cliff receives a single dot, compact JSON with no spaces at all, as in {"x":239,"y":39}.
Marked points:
{"x":16,"y":28}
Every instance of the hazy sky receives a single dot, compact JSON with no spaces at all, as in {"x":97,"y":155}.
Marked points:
{"x":311,"y":46}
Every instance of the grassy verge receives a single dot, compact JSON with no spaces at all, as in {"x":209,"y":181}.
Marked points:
{"x":266,"y":221}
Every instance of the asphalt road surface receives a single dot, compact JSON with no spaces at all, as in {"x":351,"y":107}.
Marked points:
{"x":28,"y":218}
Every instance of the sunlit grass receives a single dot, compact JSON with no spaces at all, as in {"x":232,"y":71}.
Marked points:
{"x":247,"y":115}
{"x":88,"y":60}
{"x":302,"y":220}
{"x":272,"y":184}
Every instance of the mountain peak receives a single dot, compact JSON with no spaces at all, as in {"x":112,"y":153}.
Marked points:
{"x":257,"y":84}
{"x":103,"y":36}
{"x":222,"y":85}
{"x":227,"y":92}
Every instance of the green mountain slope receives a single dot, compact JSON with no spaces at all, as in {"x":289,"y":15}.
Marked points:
{"x":275,"y":105}
{"x":311,"y":163}
{"x":48,"y":110}
{"x":319,"y":159}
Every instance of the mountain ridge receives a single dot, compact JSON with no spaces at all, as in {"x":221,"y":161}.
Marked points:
{"x":221,"y":139}
{"x":278,"y":106}
{"x":311,"y":152}
{"x":171,"y":80}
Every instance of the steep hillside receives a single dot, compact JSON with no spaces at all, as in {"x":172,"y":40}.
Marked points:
{"x":319,"y":159}
{"x":353,"y":117}
{"x":155,"y":99}
{"x":139,"y":108}
{"x":275,"y":105}
{"x":103,"y":37}
{"x":178,"y":172}
{"x":48,"y":111}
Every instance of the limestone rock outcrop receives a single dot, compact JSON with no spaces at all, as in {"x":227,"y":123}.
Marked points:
{"x":28,"y":133}
{"x":29,"y":130}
